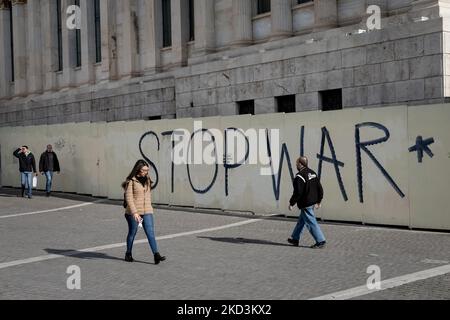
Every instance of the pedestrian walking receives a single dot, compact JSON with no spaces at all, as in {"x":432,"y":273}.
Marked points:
{"x":139,"y":210}
{"x":48,"y":164}
{"x":27,"y":166}
{"x":308,"y":195}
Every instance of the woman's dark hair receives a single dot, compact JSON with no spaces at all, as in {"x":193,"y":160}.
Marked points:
{"x":134,"y":172}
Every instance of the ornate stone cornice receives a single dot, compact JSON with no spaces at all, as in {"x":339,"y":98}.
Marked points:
{"x":5,"y":4}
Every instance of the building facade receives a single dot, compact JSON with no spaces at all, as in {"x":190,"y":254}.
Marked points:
{"x":166,"y":59}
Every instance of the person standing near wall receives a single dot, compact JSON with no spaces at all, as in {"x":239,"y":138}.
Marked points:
{"x":48,"y":163}
{"x":308,"y":194}
{"x":139,"y":210}
{"x":27,"y":166}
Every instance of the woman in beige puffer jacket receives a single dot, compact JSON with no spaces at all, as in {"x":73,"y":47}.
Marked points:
{"x":139,"y":210}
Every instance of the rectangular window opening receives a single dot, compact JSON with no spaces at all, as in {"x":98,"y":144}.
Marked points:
{"x":153,"y":118}
{"x":191,"y":21}
{"x":11,"y":42}
{"x":262,"y":6}
{"x":98,"y":32}
{"x":286,"y":104}
{"x":59,"y":35}
{"x":77,"y":42}
{"x":167,"y":23}
{"x":246,"y":107}
{"x":304,"y":1}
{"x":331,"y":99}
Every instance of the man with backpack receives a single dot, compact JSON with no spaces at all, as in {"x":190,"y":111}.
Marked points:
{"x":308,"y":195}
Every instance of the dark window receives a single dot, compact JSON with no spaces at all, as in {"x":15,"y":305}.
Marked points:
{"x":167,"y":23}
{"x":286,"y":104}
{"x":262,"y":6}
{"x":191,"y":21}
{"x":59,"y":34}
{"x":12,"y":42}
{"x":98,"y":32}
{"x":246,"y":107}
{"x":78,"y":42}
{"x":331,"y":99}
{"x":154,"y":118}
{"x":303,"y":1}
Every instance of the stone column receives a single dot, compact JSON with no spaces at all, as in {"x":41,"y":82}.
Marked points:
{"x":5,"y":49}
{"x":242,"y":23}
{"x":281,"y":13}
{"x":67,"y":77}
{"x":20,"y":46}
{"x":134,"y":36}
{"x":105,"y":69}
{"x":125,"y":50}
{"x":109,"y":68}
{"x":180,"y":31}
{"x":86,"y":73}
{"x":205,"y":37}
{"x":150,"y":35}
{"x":49,"y":29}
{"x":35,"y":36}
{"x":325,"y":14}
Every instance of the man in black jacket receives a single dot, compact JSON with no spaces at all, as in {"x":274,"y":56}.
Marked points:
{"x":48,"y":163}
{"x":27,"y":166}
{"x":308,"y":194}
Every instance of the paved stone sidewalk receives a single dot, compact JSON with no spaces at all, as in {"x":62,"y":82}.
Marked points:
{"x":250,"y":260}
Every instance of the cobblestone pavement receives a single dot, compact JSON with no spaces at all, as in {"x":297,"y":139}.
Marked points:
{"x":239,"y":258}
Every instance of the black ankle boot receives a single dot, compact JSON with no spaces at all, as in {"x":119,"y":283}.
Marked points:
{"x":158,"y":258}
{"x":128,"y":257}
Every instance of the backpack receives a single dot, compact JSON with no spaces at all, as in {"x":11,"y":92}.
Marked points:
{"x":125,"y":204}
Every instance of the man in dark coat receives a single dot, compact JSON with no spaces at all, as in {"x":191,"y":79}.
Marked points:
{"x":48,"y":164}
{"x":27,"y":166}
{"x":307,"y":195}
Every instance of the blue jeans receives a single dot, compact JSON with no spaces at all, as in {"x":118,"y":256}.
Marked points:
{"x":26,"y":179}
{"x":308,"y":218}
{"x":148,"y":224}
{"x":49,"y":177}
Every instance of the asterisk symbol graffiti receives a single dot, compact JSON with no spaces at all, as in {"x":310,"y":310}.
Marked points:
{"x":421,"y":146}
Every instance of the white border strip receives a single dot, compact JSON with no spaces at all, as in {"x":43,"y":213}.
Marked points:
{"x":50,"y":210}
{"x":386,"y":284}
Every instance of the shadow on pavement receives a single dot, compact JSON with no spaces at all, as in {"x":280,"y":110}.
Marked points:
{"x":14,"y":192}
{"x":88,"y":255}
{"x":3,"y":195}
{"x":248,"y":241}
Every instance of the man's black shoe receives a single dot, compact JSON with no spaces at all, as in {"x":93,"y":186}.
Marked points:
{"x":319,"y":245}
{"x":293,"y":242}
